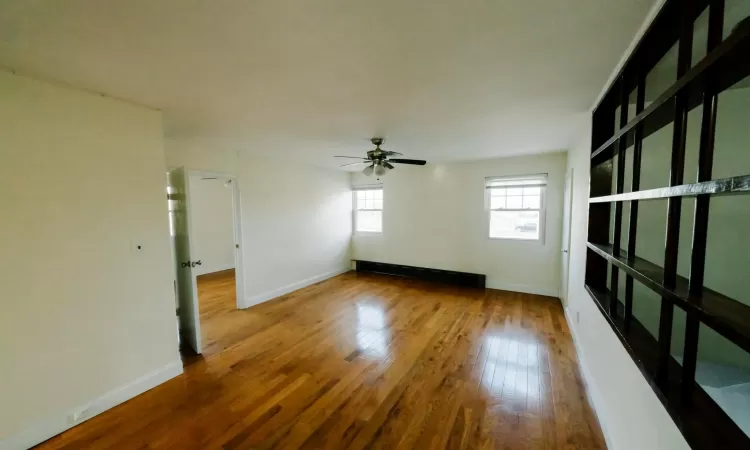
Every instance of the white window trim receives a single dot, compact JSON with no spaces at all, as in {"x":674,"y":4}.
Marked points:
{"x":354,"y":210}
{"x":542,"y":207}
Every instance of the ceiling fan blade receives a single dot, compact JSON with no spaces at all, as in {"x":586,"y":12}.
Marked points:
{"x":352,"y":157}
{"x":355,"y":163}
{"x":369,"y":170}
{"x":389,"y":153}
{"x":386,"y":164}
{"x":416,"y":162}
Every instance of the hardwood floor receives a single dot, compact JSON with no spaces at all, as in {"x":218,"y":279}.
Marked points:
{"x":217,"y":303}
{"x":365,"y":361}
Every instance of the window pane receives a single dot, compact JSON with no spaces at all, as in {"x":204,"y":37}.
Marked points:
{"x":531,"y":202}
{"x":514,"y":224}
{"x":498,"y":192}
{"x":515,"y":202}
{"x":378,"y":194}
{"x":515,"y":191}
{"x":532,"y":191}
{"x":371,"y":221}
{"x":360,"y":196}
{"x":377,"y":204}
{"x":497,"y":202}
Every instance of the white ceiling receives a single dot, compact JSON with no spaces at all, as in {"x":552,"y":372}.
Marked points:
{"x":442,"y":80}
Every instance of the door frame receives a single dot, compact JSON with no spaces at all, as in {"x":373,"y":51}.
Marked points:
{"x":568,"y":182}
{"x":239,"y":272}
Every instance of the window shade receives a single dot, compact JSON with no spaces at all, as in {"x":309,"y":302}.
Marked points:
{"x":512,"y":182}
{"x":367,"y":187}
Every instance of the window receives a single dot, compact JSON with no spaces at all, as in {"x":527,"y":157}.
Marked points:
{"x":368,"y":210}
{"x":516,"y":206}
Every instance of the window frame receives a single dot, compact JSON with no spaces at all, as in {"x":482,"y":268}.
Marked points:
{"x":543,"y":177}
{"x":355,"y":209}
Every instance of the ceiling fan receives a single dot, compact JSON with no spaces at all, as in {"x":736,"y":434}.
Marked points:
{"x":378,"y":160}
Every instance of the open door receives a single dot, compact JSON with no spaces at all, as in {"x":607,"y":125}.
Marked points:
{"x":187,"y":288}
{"x":567,"y":207}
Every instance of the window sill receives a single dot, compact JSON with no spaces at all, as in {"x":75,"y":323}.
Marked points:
{"x":368,"y":233}
{"x":514,"y":239}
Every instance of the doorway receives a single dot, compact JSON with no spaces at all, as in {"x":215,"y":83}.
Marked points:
{"x":205,"y":223}
{"x":565,"y":250}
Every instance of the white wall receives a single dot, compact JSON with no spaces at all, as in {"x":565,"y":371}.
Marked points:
{"x":296,"y":219}
{"x":81,"y":314}
{"x":196,"y":155}
{"x":434,"y":216}
{"x":212,"y":226}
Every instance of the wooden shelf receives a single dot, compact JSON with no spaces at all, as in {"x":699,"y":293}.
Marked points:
{"x":727,"y":316}
{"x":734,"y":185}
{"x":702,"y":421}
{"x":735,"y":47}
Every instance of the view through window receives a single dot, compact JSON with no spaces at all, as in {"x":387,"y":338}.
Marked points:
{"x":516,"y":206}
{"x":368,"y":210}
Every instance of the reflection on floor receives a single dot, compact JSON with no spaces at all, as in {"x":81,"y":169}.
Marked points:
{"x":367,"y":361}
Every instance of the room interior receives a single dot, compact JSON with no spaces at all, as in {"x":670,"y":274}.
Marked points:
{"x":383,"y":225}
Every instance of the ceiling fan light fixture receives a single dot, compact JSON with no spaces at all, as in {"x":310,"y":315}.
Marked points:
{"x":380,"y":170}
{"x":368,"y":170}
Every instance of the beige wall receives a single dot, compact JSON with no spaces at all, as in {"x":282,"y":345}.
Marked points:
{"x":81,"y":315}
{"x":434,"y":216}
{"x":212,"y":224}
{"x":296,"y":219}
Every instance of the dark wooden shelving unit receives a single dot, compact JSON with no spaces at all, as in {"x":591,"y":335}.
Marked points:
{"x":661,"y":110}
{"x":702,"y":421}
{"x":725,"y":315}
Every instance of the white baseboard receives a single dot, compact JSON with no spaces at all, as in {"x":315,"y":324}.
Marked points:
{"x":55,"y":425}
{"x":538,"y":290}
{"x":214,"y":269}
{"x":592,"y":390}
{"x":266,"y":296}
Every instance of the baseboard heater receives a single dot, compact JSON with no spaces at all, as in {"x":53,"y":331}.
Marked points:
{"x":440,"y":276}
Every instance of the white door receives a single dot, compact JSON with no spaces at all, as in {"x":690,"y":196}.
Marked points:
{"x":187,"y":288}
{"x":567,"y":206}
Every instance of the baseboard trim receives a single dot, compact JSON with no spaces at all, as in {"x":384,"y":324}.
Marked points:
{"x":215,"y":269}
{"x":592,"y":390}
{"x":526,"y":289}
{"x":270,"y":295}
{"x":55,"y":425}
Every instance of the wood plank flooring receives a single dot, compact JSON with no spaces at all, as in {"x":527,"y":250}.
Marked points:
{"x":364,"y":361}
